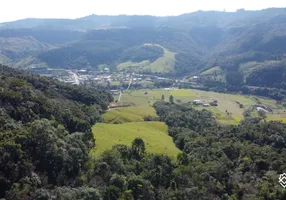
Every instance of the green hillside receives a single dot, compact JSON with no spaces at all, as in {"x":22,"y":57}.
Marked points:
{"x":129,"y":114}
{"x":154,"y":134}
{"x":45,"y":131}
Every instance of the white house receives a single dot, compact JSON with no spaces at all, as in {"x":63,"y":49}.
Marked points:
{"x":197,"y":102}
{"x":261,"y":109}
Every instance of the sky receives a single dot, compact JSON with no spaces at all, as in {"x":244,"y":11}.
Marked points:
{"x":11,"y":10}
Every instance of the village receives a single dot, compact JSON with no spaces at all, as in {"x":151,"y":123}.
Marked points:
{"x":114,"y":80}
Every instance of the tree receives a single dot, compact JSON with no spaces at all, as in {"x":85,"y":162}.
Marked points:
{"x":262,"y":114}
{"x":163,"y":97}
{"x":234,"y":78}
{"x":171,"y":99}
{"x":138,"y":147}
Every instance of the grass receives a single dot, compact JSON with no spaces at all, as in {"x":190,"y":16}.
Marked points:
{"x":133,"y":64}
{"x":212,"y":71}
{"x":129,"y":114}
{"x":276,"y":119}
{"x":215,"y":73}
{"x":226,"y":102}
{"x":154,"y":135}
{"x":115,"y":83}
{"x":164,"y":64}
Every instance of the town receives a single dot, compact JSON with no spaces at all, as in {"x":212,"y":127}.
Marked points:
{"x":114,"y":80}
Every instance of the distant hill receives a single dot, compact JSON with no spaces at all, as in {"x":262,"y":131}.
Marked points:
{"x":199,"y":41}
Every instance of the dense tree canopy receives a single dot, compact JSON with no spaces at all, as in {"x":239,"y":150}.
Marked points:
{"x":45,"y":131}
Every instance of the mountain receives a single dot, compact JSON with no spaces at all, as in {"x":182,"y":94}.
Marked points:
{"x":192,"y":43}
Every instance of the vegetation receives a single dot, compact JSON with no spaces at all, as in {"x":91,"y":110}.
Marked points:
{"x":129,"y":114}
{"x":45,"y":132}
{"x":154,"y":134}
{"x":235,"y":105}
{"x":189,"y":44}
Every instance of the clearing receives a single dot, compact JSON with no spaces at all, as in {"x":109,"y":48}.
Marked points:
{"x":123,"y":125}
{"x":154,"y":134}
{"x":128,"y":114}
{"x":164,"y":64}
{"x":227,"y":111}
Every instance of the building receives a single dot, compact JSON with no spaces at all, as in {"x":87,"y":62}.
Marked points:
{"x":261,"y":109}
{"x":206,"y":105}
{"x":197,"y":102}
{"x":106,"y":69}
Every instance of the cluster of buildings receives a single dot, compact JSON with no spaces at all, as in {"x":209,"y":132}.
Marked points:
{"x":200,"y":102}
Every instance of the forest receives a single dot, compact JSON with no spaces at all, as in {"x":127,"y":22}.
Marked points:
{"x":45,"y":131}
{"x":46,"y":137}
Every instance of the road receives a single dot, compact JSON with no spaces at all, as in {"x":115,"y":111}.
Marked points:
{"x":130,"y":82}
{"x":119,"y":98}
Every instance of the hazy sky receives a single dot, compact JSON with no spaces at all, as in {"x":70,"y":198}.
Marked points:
{"x":19,"y":9}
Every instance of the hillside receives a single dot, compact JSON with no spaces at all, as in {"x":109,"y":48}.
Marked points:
{"x":192,"y":43}
{"x":54,"y":144}
{"x":45,"y":131}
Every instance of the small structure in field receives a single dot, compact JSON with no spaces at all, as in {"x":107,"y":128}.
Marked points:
{"x":206,"y":105}
{"x":261,"y":109}
{"x":145,"y":93}
{"x":197,"y":102}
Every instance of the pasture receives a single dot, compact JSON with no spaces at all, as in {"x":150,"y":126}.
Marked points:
{"x":164,"y":64}
{"x":129,"y":114}
{"x":154,"y":134}
{"x":228,"y":110}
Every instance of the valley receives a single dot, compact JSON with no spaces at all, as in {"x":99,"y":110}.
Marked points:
{"x":143,"y":107}
{"x":230,"y":108}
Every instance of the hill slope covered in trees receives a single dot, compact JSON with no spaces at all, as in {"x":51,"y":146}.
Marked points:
{"x":241,"y":41}
{"x":45,"y":140}
{"x":45,"y":131}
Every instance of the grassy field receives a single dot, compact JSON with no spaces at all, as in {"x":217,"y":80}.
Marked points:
{"x":129,"y":114}
{"x":215,"y":73}
{"x":164,"y":64}
{"x":133,"y":64}
{"x":154,"y":135}
{"x":227,"y":111}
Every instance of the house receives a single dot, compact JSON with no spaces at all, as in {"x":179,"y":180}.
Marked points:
{"x":106,"y":69}
{"x":197,"y":102}
{"x":261,"y":109}
{"x":206,"y":105}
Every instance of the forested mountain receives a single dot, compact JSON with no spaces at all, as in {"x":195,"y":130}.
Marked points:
{"x":235,"y":41}
{"x":45,"y":131}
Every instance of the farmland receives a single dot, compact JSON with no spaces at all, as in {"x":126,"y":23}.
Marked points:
{"x":164,"y":64}
{"x":228,"y":110}
{"x":123,"y":125}
{"x":129,"y":114}
{"x":154,"y":134}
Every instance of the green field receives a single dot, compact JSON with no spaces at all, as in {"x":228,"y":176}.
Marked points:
{"x":226,"y":102}
{"x":154,"y":135}
{"x":133,"y":64}
{"x":215,"y":73}
{"x":129,"y":114}
{"x":164,"y":64}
